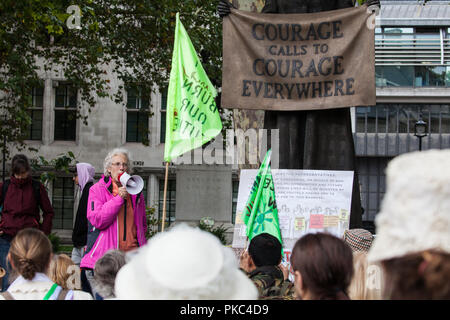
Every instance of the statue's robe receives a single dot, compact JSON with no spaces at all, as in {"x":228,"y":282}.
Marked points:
{"x":318,"y":139}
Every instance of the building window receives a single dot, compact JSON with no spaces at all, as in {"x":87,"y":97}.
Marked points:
{"x":400,"y":118}
{"x":34,"y":131}
{"x":144,"y":190}
{"x":235,"y":199}
{"x":170,"y":201}
{"x":394,"y":76}
{"x":412,"y":76}
{"x":163,"y":114}
{"x":65,"y":112}
{"x":429,"y":76}
{"x":372,"y":179}
{"x":62,"y":202}
{"x":137,"y":115}
{"x":411,"y":57}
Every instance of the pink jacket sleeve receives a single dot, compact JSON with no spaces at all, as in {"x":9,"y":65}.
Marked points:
{"x":102,"y":214}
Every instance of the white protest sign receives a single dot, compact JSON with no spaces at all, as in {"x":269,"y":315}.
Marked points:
{"x":308,"y":201}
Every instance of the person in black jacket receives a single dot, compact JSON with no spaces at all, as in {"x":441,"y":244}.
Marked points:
{"x":84,"y":178}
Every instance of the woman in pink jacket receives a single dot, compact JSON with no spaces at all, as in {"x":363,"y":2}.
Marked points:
{"x":116,"y":218}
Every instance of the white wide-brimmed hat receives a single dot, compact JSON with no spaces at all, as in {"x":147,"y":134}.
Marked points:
{"x":184,"y":263}
{"x":415,"y":212}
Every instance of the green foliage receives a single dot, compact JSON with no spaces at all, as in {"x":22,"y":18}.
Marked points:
{"x":66,"y":249}
{"x":152,"y":221}
{"x":56,"y":242}
{"x":131,"y":40}
{"x":49,"y":168}
{"x":219,"y":231}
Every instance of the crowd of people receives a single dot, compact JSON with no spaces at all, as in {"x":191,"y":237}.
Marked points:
{"x":409,"y":258}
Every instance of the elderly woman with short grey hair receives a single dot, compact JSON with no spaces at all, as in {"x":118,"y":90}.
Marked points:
{"x":116,"y":218}
{"x":108,"y":162}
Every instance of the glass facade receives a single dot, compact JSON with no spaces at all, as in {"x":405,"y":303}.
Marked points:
{"x":372,"y":179}
{"x":144,"y":189}
{"x":412,"y":76}
{"x":36,"y":114}
{"x":411,"y":57}
{"x":65,"y":113}
{"x":171,"y":198}
{"x":137,"y":115}
{"x":400,"y":118}
{"x":235,"y":189}
{"x":163,"y":115}
{"x":63,"y":202}
{"x":427,"y":76}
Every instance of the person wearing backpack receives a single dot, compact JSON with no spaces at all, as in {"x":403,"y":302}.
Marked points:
{"x":20,"y":200}
{"x":30,"y":256}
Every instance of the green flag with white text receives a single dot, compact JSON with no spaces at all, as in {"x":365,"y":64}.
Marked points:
{"x":260,"y":213}
{"x":192,"y":118}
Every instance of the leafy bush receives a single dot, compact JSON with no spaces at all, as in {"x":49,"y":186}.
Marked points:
{"x":56,"y":242}
{"x":219,"y":231}
{"x":152,"y":221}
{"x":49,"y":168}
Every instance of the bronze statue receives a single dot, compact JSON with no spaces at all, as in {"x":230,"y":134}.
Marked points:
{"x":313,"y":139}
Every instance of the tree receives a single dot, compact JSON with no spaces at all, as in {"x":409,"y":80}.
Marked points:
{"x":48,"y":169}
{"x":135,"y":37}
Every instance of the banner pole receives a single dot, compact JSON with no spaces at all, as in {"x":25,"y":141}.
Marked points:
{"x":165,"y":196}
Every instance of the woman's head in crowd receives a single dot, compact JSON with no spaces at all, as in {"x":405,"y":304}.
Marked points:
{"x":323,"y":267}
{"x":424,"y":275}
{"x":368,"y":280}
{"x":20,"y":166}
{"x":413,"y":227}
{"x":116,"y":162}
{"x":105,"y":272}
{"x":83,"y":174}
{"x":64,"y":272}
{"x":30,"y":253}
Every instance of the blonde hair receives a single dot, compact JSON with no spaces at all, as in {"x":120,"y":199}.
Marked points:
{"x":367,"y":282}
{"x":64,"y":272}
{"x":30,"y":252}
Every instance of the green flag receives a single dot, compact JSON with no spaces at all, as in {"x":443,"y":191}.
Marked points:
{"x":192,"y":118}
{"x":260,"y":213}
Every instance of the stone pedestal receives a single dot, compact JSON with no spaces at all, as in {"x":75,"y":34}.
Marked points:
{"x":204,"y":191}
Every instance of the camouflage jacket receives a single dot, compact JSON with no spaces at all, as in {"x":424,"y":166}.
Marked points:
{"x":269,"y":281}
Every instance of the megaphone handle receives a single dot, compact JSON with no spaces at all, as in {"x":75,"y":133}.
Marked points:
{"x":125,"y":221}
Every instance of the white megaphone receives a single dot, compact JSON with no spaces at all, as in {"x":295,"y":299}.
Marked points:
{"x":133,"y":184}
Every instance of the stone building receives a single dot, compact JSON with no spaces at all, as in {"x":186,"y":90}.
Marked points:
{"x":412,"y":74}
{"x":412,"y":62}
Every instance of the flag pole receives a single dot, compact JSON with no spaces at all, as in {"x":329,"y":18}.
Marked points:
{"x":165,"y":196}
